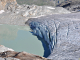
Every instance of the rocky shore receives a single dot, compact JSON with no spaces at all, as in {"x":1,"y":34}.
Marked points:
{"x":10,"y":54}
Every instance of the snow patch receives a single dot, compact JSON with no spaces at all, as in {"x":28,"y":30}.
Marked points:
{"x":1,"y":11}
{"x":50,"y":8}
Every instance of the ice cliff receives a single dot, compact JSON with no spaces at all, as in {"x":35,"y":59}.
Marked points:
{"x":61,"y":32}
{"x":45,"y":29}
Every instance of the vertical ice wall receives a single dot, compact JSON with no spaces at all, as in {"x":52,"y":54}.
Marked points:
{"x":45,"y":29}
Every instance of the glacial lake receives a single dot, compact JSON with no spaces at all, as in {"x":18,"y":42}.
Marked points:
{"x":19,"y":38}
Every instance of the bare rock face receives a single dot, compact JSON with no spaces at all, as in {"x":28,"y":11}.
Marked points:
{"x":21,"y":55}
{"x":5,"y":3}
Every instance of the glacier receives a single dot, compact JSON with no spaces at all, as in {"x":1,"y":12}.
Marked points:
{"x":61,"y":32}
{"x":45,"y":30}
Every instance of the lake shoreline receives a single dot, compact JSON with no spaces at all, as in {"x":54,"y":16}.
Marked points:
{"x":54,"y":25}
{"x":10,"y":54}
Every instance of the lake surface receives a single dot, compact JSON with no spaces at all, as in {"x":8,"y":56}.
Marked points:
{"x":20,"y":39}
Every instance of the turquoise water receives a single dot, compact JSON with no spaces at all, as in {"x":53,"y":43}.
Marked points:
{"x":20,"y":39}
